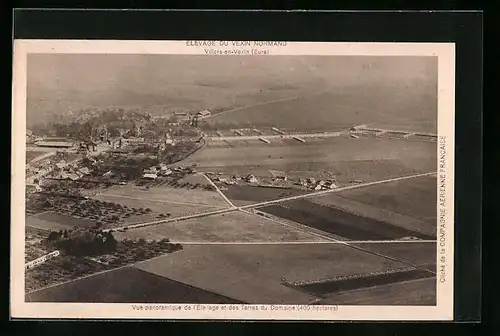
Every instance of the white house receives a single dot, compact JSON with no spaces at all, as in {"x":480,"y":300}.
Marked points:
{"x":150,"y":176}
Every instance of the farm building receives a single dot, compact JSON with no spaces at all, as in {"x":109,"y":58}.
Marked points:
{"x":251,"y":178}
{"x":73,"y":176}
{"x":84,"y":170}
{"x":181,"y":115}
{"x":164,"y":170}
{"x":279,"y":175}
{"x":332,"y":185}
{"x":55,"y":144}
{"x":61,"y":164}
{"x":204,"y":113}
{"x":151,"y":170}
{"x":30,"y":137}
{"x":150,"y":176}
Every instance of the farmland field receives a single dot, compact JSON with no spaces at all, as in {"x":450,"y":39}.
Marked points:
{"x":243,"y":195}
{"x":388,"y":106}
{"x":253,"y":273}
{"x":415,"y":292}
{"x":363,"y":159}
{"x":332,"y":286}
{"x":417,"y":253}
{"x":357,"y":87}
{"x":167,"y":194}
{"x":126,"y":285}
{"x":414,"y":197}
{"x":338,"y":222}
{"x":229,"y":227}
{"x":54,"y":221}
{"x":383,"y":215}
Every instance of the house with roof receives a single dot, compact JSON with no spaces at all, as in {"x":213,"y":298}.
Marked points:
{"x":150,"y":176}
{"x":251,"y":178}
{"x":204,"y":114}
{"x":73,"y":176}
{"x":84,"y":170}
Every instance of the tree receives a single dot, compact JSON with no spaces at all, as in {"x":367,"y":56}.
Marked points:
{"x":53,"y":235}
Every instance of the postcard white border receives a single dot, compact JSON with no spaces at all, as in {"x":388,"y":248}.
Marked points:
{"x":446,"y":116}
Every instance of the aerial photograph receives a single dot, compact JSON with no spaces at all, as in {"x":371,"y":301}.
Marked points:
{"x":194,"y":179}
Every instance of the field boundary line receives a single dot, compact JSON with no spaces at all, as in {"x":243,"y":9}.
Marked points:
{"x":268,"y":102}
{"x":331,"y":295}
{"x":298,"y":242}
{"x":40,"y":213}
{"x":389,"y":257}
{"x":162,"y":201}
{"x":358,"y":213}
{"x":348,"y":244}
{"x":262,"y":204}
{"x":295,"y":226}
{"x":228,"y":201}
{"x":325,"y":192}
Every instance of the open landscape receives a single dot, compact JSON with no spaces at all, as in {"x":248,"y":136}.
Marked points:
{"x":307,"y":180}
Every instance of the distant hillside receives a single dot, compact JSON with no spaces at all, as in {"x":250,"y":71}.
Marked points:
{"x":61,"y":85}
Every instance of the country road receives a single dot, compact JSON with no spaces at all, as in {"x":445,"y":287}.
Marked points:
{"x":228,"y":201}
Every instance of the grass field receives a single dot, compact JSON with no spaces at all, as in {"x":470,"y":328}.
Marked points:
{"x":383,"y":215}
{"x":127,"y":285}
{"x":363,"y":159}
{"x":419,"y":254}
{"x":253,"y":273}
{"x":338,"y":222}
{"x":194,"y":179}
{"x":157,"y":207}
{"x":30,"y":155}
{"x":230,"y":227}
{"x":54,"y":221}
{"x":410,"y":293}
{"x":167,"y":194}
{"x":416,"y":197}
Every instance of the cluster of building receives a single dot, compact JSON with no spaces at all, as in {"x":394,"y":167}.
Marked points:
{"x":152,"y":173}
{"x":250,"y":178}
{"x":192,"y":118}
{"x":70,"y":171}
{"x":312,"y":183}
